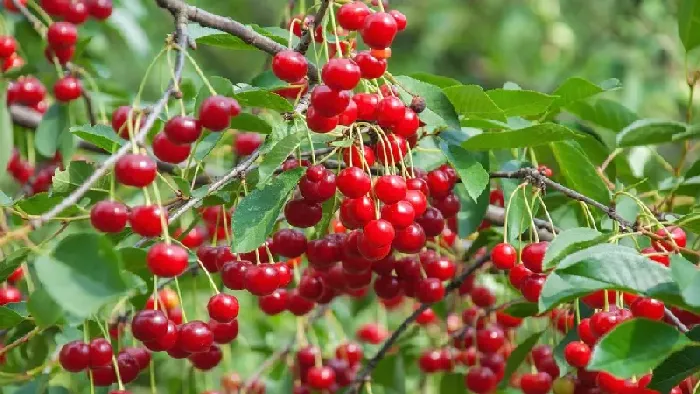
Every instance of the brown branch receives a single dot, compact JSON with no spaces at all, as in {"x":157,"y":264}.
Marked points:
{"x":25,"y":116}
{"x":308,"y":35}
{"x":366,"y":371}
{"x":88,"y":107}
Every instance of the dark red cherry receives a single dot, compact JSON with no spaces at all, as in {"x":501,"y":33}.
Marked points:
{"x":245,"y":144}
{"x":341,"y":74}
{"x":261,"y":279}
{"x":329,"y":102}
{"x":74,"y":356}
{"x":408,"y":124}
{"x":432,"y":222}
{"x":67,"y":88}
{"x":320,"y":378}
{"x":379,"y":30}
{"x":167,"y":260}
{"x":109,"y":216}
{"x":168,"y":151}
{"x":430,"y":290}
{"x":318,"y":184}
{"x":182,"y":129}
{"x":100,"y":353}
{"x":490,"y":339}
{"x":577,"y":354}
{"x":224,"y":332}
{"x":62,"y":34}
{"x":289,"y":66}
{"x":120,"y":116}
{"x":135,"y":170}
{"x":275,"y":303}
{"x":166,"y":341}
{"x":77,"y":13}
{"x":441,"y":268}
{"x":223,"y":307}
{"x":195,"y":337}
{"x":532,"y":287}
{"x":147,"y":220}
{"x":302,"y":213}
{"x":518,"y":274}
{"x":367,"y":104}
{"x":351,"y":16}
{"x":410,"y":239}
{"x":215,"y":113}
{"x":648,"y":308}
{"x":418,"y":200}
{"x":353,"y":182}
{"x":289,"y":243}
{"x":100,"y":9}
{"x":379,"y":233}
{"x":149,"y":324}
{"x":480,"y":380}
{"x":319,"y":123}
{"x":536,"y":383}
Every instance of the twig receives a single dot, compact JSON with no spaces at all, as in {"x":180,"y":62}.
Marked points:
{"x":675,"y":320}
{"x":308,"y":35}
{"x":20,"y":341}
{"x":88,"y":107}
{"x":25,"y":116}
{"x":496,"y":215}
{"x":366,"y":371}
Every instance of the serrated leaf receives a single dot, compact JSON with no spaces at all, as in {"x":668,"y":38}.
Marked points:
{"x":474,"y":177}
{"x":213,"y":37}
{"x":273,"y":159}
{"x":42,"y":203}
{"x":437,"y":80}
{"x":83,"y":273}
{"x":257,"y":213}
{"x":518,"y":356}
{"x":579,"y":172}
{"x":472,"y":102}
{"x":439,"y":111}
{"x":522,"y":309}
{"x":605,"y":113}
{"x":521,"y":102}
{"x":260,"y":98}
{"x":565,"y":243}
{"x":205,"y":146}
{"x":428,"y":157}
{"x":43,"y":308}
{"x":612,"y":267}
{"x":649,"y":132}
{"x":6,"y":129}
{"x":11,"y":262}
{"x":526,"y":137}
{"x":687,"y":277}
{"x":99,"y":135}
{"x":49,"y":134}
{"x":678,"y":366}
{"x":9,"y":317}
{"x":76,"y":174}
{"x":249,"y":122}
{"x":689,"y":23}
{"x":626,"y":351}
{"x":575,"y":89}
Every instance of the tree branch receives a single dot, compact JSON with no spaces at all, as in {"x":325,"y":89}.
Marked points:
{"x":308,"y":35}
{"x":366,"y":371}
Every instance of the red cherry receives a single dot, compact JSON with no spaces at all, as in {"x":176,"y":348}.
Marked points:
{"x":390,"y":111}
{"x":67,"y":88}
{"x":100,"y":353}
{"x":289,"y":243}
{"x":532,"y":287}
{"x":8,"y":46}
{"x":195,"y":337}
{"x":62,"y":34}
{"x":400,"y":214}
{"x":351,"y":16}
{"x":169,"y":152}
{"x":482,"y":297}
{"x":147,"y":220}
{"x":319,"y":123}
{"x":223,"y":307}
{"x":430,"y":290}
{"x":215,"y":112}
{"x":379,"y":30}
{"x":261,"y":280}
{"x":662,"y":259}
{"x":350,"y":352}
{"x":298,"y":305}
{"x":55,"y":7}
{"x":379,"y":233}
{"x":318,"y":184}
{"x":320,"y":378}
{"x":536,"y":383}
{"x":341,"y":74}
{"x":100,"y":9}
{"x":166,"y":341}
{"x":349,"y":115}
{"x":370,"y":66}
{"x":166,"y":260}
{"x":577,"y":354}
{"x":390,"y":188}
{"x":141,"y":355}
{"x":289,"y":66}
{"x":10,"y":5}
{"x":432,"y":222}
{"x":604,"y":322}
{"x":358,"y":160}
{"x":207,"y":359}
{"x":392,"y":149}
{"x":586,"y":333}
{"x":224,"y":332}
{"x":648,"y":308}
{"x":353,"y":182}
{"x":74,"y":356}
{"x":439,"y":183}
{"x":275,"y":303}
{"x":14,"y":61}
{"x":408,"y":125}
{"x":119,"y":118}
{"x":367,"y":104}
{"x":30,"y":91}
{"x":441,"y":268}
{"x":411,"y":239}
{"x":328,"y":102}
{"x":135,"y":170}
{"x":109,"y":216}
{"x":490,"y":339}
{"x":480,"y":380}
{"x":399,"y":18}
{"x":245,"y":144}
{"x":430,"y":361}
{"x":504,"y":256}
{"x":149,"y":324}
{"x":609,"y":383}
{"x":676,"y":234}
{"x":418,"y":200}
{"x":533,"y":255}
{"x":182,"y":129}
{"x":302,"y":213}
{"x":76,"y":13}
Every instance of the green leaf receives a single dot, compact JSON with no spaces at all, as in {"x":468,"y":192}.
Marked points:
{"x":100,"y":135}
{"x":575,"y":89}
{"x":565,"y":243}
{"x":437,"y":80}
{"x":627,"y":350}
{"x":691,"y":221}
{"x":521,"y":102}
{"x":428,"y":159}
{"x":689,"y":23}
{"x":391,"y":375}
{"x":649,"y":132}
{"x":213,"y":37}
{"x":42,"y":202}
{"x":257,"y":213}
{"x":474,"y":177}
{"x":605,"y":113}
{"x":75,"y":175}
{"x":611,"y":267}
{"x":522,"y":309}
{"x":260,"y":98}
{"x":249,"y":122}
{"x":687,"y":277}
{"x":472,"y":102}
{"x":437,"y":104}
{"x":43,"y":308}
{"x":182,"y":185}
{"x":50,"y":131}
{"x":9,"y":318}
{"x":206,"y":145}
{"x":579,"y":172}
{"x":11,"y":262}
{"x":452,"y":383}
{"x":273,"y":159}
{"x":83,"y":274}
{"x":529,"y":136}
{"x":518,"y":216}
{"x":678,"y":366}
{"x":6,"y":129}
{"x":518,"y":356}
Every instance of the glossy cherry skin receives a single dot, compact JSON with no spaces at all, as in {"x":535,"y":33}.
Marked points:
{"x":480,"y":380}
{"x":67,"y":89}
{"x":490,"y":339}
{"x":320,"y":378}
{"x":536,"y":383}
{"x":319,"y":123}
{"x":351,"y":16}
{"x":182,"y":129}
{"x":100,"y":353}
{"x":215,"y":112}
{"x":245,"y":144}
{"x":318,"y":184}
{"x":353,"y":158}
{"x":77,"y":13}
{"x":432,"y":222}
{"x":100,"y":9}
{"x":195,"y":337}
{"x":149,"y":324}
{"x":407,"y":125}
{"x":350,"y":352}
{"x":400,"y":19}
{"x":8,"y":46}
{"x":341,"y":74}
{"x":147,"y":220}
{"x":648,"y":308}
{"x":120,"y":116}
{"x":74,"y":356}
{"x":275,"y":303}
{"x":62,"y":34}
{"x":289,"y":66}
{"x":390,"y":188}
{"x":418,"y":200}
{"x":577,"y":354}
{"x":390,"y":111}
{"x":328,"y":102}
{"x":261,"y":280}
{"x":289,"y":243}
{"x":532,"y":287}
{"x":430,"y":290}
{"x":302,"y":213}
{"x":410,"y":239}
{"x":400,"y":214}
{"x":207,"y":359}
{"x":676,"y":233}
{"x":166,"y":260}
{"x":379,"y":30}
{"x":533,"y":255}
{"x":353,"y":182}
{"x":586,"y":333}
{"x":370,"y":66}
{"x":168,"y":151}
{"x":166,"y":341}
{"x":223,"y":307}
{"x":109,"y":216}
{"x":349,"y":114}
{"x":367,"y":104}
{"x":135,"y":170}
{"x":141,"y":355}
{"x":224,"y":332}
{"x":233,"y":274}
{"x":504,"y":256}
{"x":392,"y":149}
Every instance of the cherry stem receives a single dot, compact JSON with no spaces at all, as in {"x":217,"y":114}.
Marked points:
{"x":114,"y":358}
{"x":179,"y":295}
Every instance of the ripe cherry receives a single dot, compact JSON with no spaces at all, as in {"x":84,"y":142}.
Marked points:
{"x":149,"y":324}
{"x":100,"y":353}
{"x":62,"y":34}
{"x":215,"y":112}
{"x":319,"y":123}
{"x":353,"y":182}
{"x":261,"y":280}
{"x":289,"y":66}
{"x":182,"y":129}
{"x":67,"y":88}
{"x":399,"y":18}
{"x":135,"y":170}
{"x":480,"y":380}
{"x":329,"y":102}
{"x":223,"y":307}
{"x":76,"y":13}
{"x":577,"y":354}
{"x":408,"y":125}
{"x":275,"y":303}
{"x":482,"y":297}
{"x":390,"y":188}
{"x":147,"y":220}
{"x":318,"y":184}
{"x":379,"y":233}
{"x":400,"y":214}
{"x":430,"y":290}
{"x":341,"y":74}
{"x":349,"y":114}
{"x":490,"y":339}
{"x":168,"y":151}
{"x":100,"y":9}
{"x":245,"y":144}
{"x":8,"y":46}
{"x":320,"y":378}
{"x":141,"y":355}
{"x":351,"y":16}
{"x":195,"y":337}
{"x":302,"y":213}
{"x":119,"y":118}
{"x":379,"y":30}
{"x":390,"y":111}
{"x":676,"y":234}
{"x":167,"y":260}
{"x":367,"y":104}
{"x":224,"y":332}
{"x":350,"y":352}
{"x":63,"y":54}
{"x":648,"y":308}
{"x":432,"y":222}
{"x":289,"y":242}
{"x":603,"y":322}
{"x":609,"y":383}
{"x":370,"y":66}
{"x":439,"y":183}
{"x":504,"y":256}
{"x":652,"y":253}
{"x":207,"y":359}
{"x":532,"y":287}
{"x":353,"y":158}
{"x":418,"y":200}
{"x":74,"y":356}
{"x":166,"y":341}
{"x":536,"y":383}
{"x":441,"y":268}
{"x":109,"y":216}
{"x":533,"y":255}
{"x":310,"y":287}
{"x":298,"y":305}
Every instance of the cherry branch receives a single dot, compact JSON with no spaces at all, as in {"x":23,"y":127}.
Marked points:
{"x":366,"y":371}
{"x":306,"y":38}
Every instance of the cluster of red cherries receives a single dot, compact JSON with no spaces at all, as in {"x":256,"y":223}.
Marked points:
{"x":37,"y":179}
